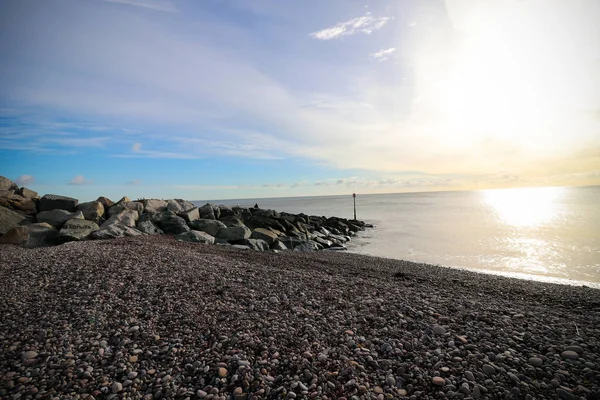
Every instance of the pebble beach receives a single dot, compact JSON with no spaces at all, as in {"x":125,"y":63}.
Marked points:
{"x":153,"y":318}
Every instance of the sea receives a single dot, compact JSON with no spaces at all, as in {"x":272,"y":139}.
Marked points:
{"x":550,"y":234}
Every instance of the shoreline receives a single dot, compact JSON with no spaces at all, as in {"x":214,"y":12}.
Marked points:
{"x":153,"y":317}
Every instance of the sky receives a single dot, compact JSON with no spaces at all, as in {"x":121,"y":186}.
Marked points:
{"x":227,"y":99}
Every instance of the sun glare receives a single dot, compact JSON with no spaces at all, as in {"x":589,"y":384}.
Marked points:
{"x":524,"y":207}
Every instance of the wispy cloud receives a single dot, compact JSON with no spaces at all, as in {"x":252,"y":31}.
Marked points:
{"x":135,"y":182}
{"x":383,"y":54}
{"x":80,"y":180}
{"x":366,"y":24}
{"x":156,"y":5}
{"x":137,"y":152}
{"x":25,"y":180}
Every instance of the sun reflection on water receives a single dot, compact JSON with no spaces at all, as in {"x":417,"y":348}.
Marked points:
{"x":525,"y":207}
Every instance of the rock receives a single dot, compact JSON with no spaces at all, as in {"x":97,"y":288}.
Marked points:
{"x":179,"y":206}
{"x":257,"y":244}
{"x":222,"y":372}
{"x":115,"y":230}
{"x":10,"y":219}
{"x":439,"y":330}
{"x":126,"y":217}
{"x":92,"y":210}
{"x":279,"y":246}
{"x":106,"y":202}
{"x":149,"y":228}
{"x":234,"y":233}
{"x":535,"y":361}
{"x":438,"y":381}
{"x":116,"y":387}
{"x":469,"y":375}
{"x":125,"y":204}
{"x":209,"y":226}
{"x":154,"y":206}
{"x":29,"y":355}
{"x":290,"y":242}
{"x":33,"y":235}
{"x":171,"y":223}
{"x":196,"y":237}
{"x":51,"y":202}
{"x":308,"y":246}
{"x":232,"y":222}
{"x":7,"y":184}
{"x":18,"y":203}
{"x":576,"y":349}
{"x":569,"y":355}
{"x":57,"y":217}
{"x":264,"y":234}
{"x":190,"y":215}
{"x":207,"y":211}
{"x":28,"y":194}
{"x":488,"y":369}
{"x":566,"y":395}
{"x":77,"y":229}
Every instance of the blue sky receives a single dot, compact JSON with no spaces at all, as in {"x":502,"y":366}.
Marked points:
{"x":223,"y":99}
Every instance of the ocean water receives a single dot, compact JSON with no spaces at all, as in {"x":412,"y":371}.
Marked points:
{"x":549,"y":234}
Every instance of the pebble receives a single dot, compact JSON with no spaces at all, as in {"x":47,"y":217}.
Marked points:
{"x":488,"y":370}
{"x":439,"y":381}
{"x":569,"y":355}
{"x":29,"y":355}
{"x":116,"y":387}
{"x":535,"y":361}
{"x":439,"y":330}
{"x":222,"y":372}
{"x":469,"y":375}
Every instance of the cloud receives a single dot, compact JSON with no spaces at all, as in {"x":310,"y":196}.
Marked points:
{"x":80,"y":180}
{"x":25,"y":180}
{"x":137,"y":152}
{"x":156,"y":5}
{"x":383,"y":54}
{"x":365,"y":24}
{"x":136,"y":147}
{"x":135,"y":182}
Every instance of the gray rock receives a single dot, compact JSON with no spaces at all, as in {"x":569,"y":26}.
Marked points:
{"x":77,"y":229}
{"x":7,"y":184}
{"x":209,"y":226}
{"x":125,"y":204}
{"x":290,"y":242}
{"x":207,"y":211}
{"x":51,"y":202}
{"x":57,"y":218}
{"x":488,"y":369}
{"x":154,"y":206}
{"x":92,"y":210}
{"x":190,"y":215}
{"x":566,"y":395}
{"x":106,"y":202}
{"x":171,"y":223}
{"x":469,"y":375}
{"x":28,"y":194}
{"x":535,"y":361}
{"x":278,"y":246}
{"x":308,"y":246}
{"x":569,"y":355}
{"x":10,"y":219}
{"x":196,"y":237}
{"x":18,"y":203}
{"x":232,"y":222}
{"x":126,"y":217}
{"x":264,"y":234}
{"x":149,"y":228}
{"x":179,"y":206}
{"x":234,"y":233}
{"x":576,"y":349}
{"x":257,"y":244}
{"x":115,"y":230}
{"x":439,"y":330}
{"x":33,"y":235}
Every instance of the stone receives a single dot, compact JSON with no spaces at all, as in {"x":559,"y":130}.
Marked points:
{"x":196,"y":237}
{"x":51,"y":202}
{"x":488,"y":369}
{"x":106,"y":202}
{"x":7,"y":184}
{"x":149,"y":228}
{"x":278,"y":246}
{"x":207,"y":211}
{"x":33,"y":235}
{"x":28,"y":355}
{"x":10,"y":219}
{"x":438,"y":381}
{"x":569,"y":355}
{"x":264,"y":234}
{"x":18,"y":203}
{"x":154,"y":206}
{"x":77,"y":229}
{"x":209,"y":226}
{"x":469,"y":375}
{"x":116,"y":387}
{"x":566,"y":395}
{"x":232,"y":222}
{"x":126,"y":217}
{"x":290,"y":242}
{"x":28,"y":194}
{"x":57,"y":218}
{"x":171,"y":223}
{"x":257,"y":244}
{"x":92,"y":210}
{"x":576,"y":349}
{"x":308,"y":246}
{"x":222,"y":372}
{"x":439,"y":330}
{"x":535,"y":361}
{"x":113,"y":231}
{"x":234,"y":233}
{"x":178,"y":205}
{"x":125,"y":204}
{"x":190,"y":215}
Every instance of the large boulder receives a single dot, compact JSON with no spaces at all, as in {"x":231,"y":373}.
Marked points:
{"x":278,"y":246}
{"x":190,"y":215}
{"x":290,"y":242}
{"x":208,"y":211}
{"x":154,"y":206}
{"x":264,"y":234}
{"x":171,"y":223}
{"x":18,"y":203}
{"x":125,"y":217}
{"x":28,"y":194}
{"x":179,"y":206}
{"x":308,"y":246}
{"x":231,"y":221}
{"x":106,"y":202}
{"x":234,"y":234}
{"x":92,"y":211}
{"x":257,"y":244}
{"x":33,"y":235}
{"x":77,"y":229}
{"x":196,"y":237}
{"x":125,"y":204}
{"x":265,"y":222}
{"x":10,"y":219}
{"x":149,"y":228}
{"x":57,"y":218}
{"x":209,"y":226}
{"x":51,"y":202}
{"x":7,"y":184}
{"x":113,"y":231}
